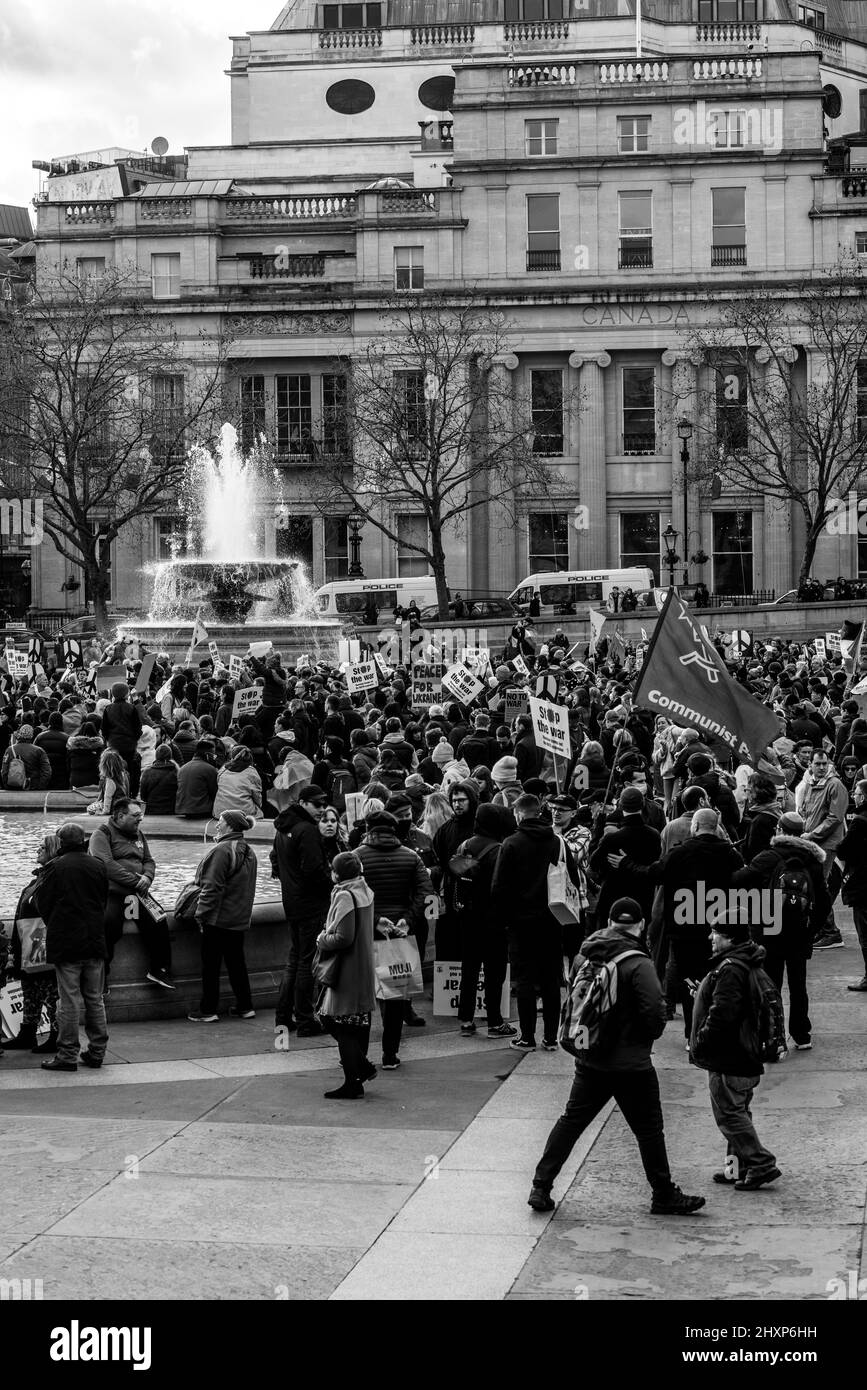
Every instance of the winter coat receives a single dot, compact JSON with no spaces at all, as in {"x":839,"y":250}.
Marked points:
{"x":519,"y":891}
{"x":823,"y":807}
{"x":760,"y":873}
{"x":447,"y":839}
{"x":852,"y":852}
{"x":122,"y":724}
{"x":299,"y":861}
{"x":159,"y":788}
{"x":479,"y":747}
{"x":638,"y":1017}
{"x":404,"y":750}
{"x":364,"y":760}
{"x":274,"y":690}
{"x":704,"y":859}
{"x":35,"y":761}
{"x":399,"y":881}
{"x":642,"y":846}
{"x":758,"y":828}
{"x":723,"y":1037}
{"x":71,"y":896}
{"x":528,"y":756}
{"x":185,"y":741}
{"x":125,"y":860}
{"x":53,"y":743}
{"x":197,"y":789}
{"x":721,"y":799}
{"x":227,"y":876}
{"x":349,"y":930}
{"x":239,"y":791}
{"x":83,"y":755}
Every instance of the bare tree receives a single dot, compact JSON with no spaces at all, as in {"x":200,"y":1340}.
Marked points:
{"x":769,"y":428}
{"x":99,"y":404}
{"x":426,"y":421}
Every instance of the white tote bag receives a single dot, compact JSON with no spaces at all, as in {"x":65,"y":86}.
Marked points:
{"x":564,"y":899}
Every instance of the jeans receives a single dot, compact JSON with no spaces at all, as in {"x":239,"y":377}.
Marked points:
{"x":447,"y":937}
{"x":830,"y":926}
{"x":218,"y":945}
{"x":154,"y":934}
{"x":296,"y":987}
{"x":353,"y":1041}
{"x":793,"y":962}
{"x":535,"y":954}
{"x":691,"y":958}
{"x":730,"y":1098}
{"x":483,"y":944}
{"x":860,"y":916}
{"x":80,"y":983}
{"x":637,"y":1094}
{"x":392,"y":1013}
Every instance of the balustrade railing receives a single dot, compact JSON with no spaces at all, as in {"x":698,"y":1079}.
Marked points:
{"x":310,"y":208}
{"x":726,"y":69}
{"x":165,"y":209}
{"x":728,"y":33}
{"x":350,"y":38}
{"x":442,"y":35}
{"x":286,"y":267}
{"x":80,"y":213}
{"x":627,"y":73}
{"x":555,"y":75}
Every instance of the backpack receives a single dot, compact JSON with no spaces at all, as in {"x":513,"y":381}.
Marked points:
{"x":769,"y":1021}
{"x":793,"y":884}
{"x":590,"y":999}
{"x":340,"y":781}
{"x":466,"y":871}
{"x":16,"y":773}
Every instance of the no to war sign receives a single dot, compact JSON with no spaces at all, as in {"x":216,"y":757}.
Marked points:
{"x":361,"y":675}
{"x":236,"y":665}
{"x":246,"y":701}
{"x":462,"y":684}
{"x":551,"y":727}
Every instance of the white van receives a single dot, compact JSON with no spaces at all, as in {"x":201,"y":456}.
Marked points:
{"x":565,"y":594}
{"x":351,"y":598}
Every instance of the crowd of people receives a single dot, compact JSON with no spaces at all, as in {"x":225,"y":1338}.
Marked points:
{"x":392,"y":819}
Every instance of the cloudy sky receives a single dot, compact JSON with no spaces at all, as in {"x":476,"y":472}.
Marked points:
{"x":92,"y":73}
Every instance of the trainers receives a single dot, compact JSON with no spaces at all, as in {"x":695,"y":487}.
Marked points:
{"x":467,"y":1030}
{"x":237,"y":1013}
{"x":754,"y":1180}
{"x":540,"y":1200}
{"x":390,"y":1063}
{"x":804,"y":1046}
{"x":203,"y":1018}
{"x":676,"y":1203}
{"x":860,"y":988}
{"x":502,"y":1030}
{"x":549,"y":1046}
{"x":522,"y":1045}
{"x":160,"y":977}
{"x":829,"y":942}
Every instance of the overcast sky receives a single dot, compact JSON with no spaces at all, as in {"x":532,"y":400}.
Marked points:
{"x":80,"y":75}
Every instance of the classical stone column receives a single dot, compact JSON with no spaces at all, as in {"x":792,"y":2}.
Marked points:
{"x":592,"y":459}
{"x":776,"y":530}
{"x":685,"y":503}
{"x":492,"y":534}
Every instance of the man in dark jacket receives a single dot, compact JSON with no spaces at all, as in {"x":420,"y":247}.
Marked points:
{"x":197,"y":784}
{"x":463,"y":799}
{"x":638,"y":843}
{"x":701,"y":773}
{"x":788,"y":928}
{"x":71,"y":898}
{"x":519,"y":900}
{"x":724,"y":1042}
{"x":761,"y":816}
{"x":122,"y":724}
{"x":620,"y":1067}
{"x":479,"y":747}
{"x":227,"y":879}
{"x":483,"y":936}
{"x":528,"y":754}
{"x":273,"y":691}
{"x":53,"y":743}
{"x":851,"y":856}
{"x":131,"y":870}
{"x":298,"y":860}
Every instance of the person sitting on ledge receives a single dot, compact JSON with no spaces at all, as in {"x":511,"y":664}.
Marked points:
{"x":37,"y":768}
{"x":159,"y":783}
{"x":197,"y":784}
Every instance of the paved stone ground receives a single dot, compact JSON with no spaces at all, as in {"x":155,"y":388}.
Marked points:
{"x":202,"y":1164}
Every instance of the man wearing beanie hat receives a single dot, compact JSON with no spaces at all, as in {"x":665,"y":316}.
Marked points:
{"x":791,"y":869}
{"x":37,"y":767}
{"x":619,"y":1065}
{"x":724,"y":1042}
{"x":636,"y":843}
{"x":504,"y":775}
{"x":224,"y":910}
{"x":122,"y":723}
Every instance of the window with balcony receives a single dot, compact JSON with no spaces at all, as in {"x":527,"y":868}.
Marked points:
{"x":729,"y":246}
{"x":636,"y":230}
{"x":543,"y":231}
{"x":409,"y":267}
{"x":166,"y":275}
{"x":518,"y":10}
{"x":411,"y":412}
{"x":547,"y":542}
{"x":640,"y":541}
{"x":411,"y":531}
{"x":168,"y":415}
{"x":364,"y":16}
{"x":546,"y":401}
{"x":633,"y":134}
{"x":89,"y":268}
{"x":171,"y":541}
{"x":334,"y":437}
{"x":732,"y":425}
{"x":294,"y":415}
{"x":639,"y":410}
{"x":733,"y":552}
{"x":540,"y":137}
{"x":253,"y":411}
{"x":746,"y":11}
{"x":336,"y":538}
{"x":809,"y":14}
{"x":861,"y":400}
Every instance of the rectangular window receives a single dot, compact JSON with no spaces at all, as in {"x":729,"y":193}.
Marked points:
{"x":639,"y":410}
{"x":540,"y":137}
{"x":90,"y":268}
{"x":546,"y":399}
{"x":547,"y":541}
{"x":168,"y":415}
{"x":808,"y":14}
{"x":861,"y":243}
{"x":732,"y":427}
{"x":640,"y":542}
{"x":733,"y":552}
{"x":294,"y":540}
{"x":166,"y":275}
{"x":411,"y":530}
{"x":336,"y":548}
{"x":352,"y":16}
{"x":633,"y":134}
{"x":254,"y":421}
{"x":334,"y":440}
{"x":528,"y":10}
{"x":411,"y":413}
{"x":861,"y":400}
{"x":729,"y":245}
{"x":636,"y":230}
{"x":409,"y":267}
{"x":729,"y":129}
{"x":543,"y":231}
{"x":170,"y":537}
{"x":294,"y":411}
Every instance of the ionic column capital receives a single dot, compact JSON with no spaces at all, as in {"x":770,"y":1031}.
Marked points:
{"x":599,"y":359}
{"x":508,"y":360}
{"x":680,"y":357}
{"x":787,"y":354}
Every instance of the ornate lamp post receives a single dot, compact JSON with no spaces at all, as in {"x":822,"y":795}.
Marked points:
{"x":355,"y":522}
{"x":684,"y":434}
{"x":672,"y":559}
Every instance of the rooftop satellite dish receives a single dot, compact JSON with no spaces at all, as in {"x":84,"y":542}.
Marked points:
{"x":160,"y":146}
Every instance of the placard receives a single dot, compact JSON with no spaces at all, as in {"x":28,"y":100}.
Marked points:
{"x":476,"y":658}
{"x":462,"y":684}
{"x":260,"y":649}
{"x":515,"y":702}
{"x":302,"y":661}
{"x":819,"y":644}
{"x":551,"y":727}
{"x":348,"y":649}
{"x":382,"y":664}
{"x":361,"y":675}
{"x":520,"y":666}
{"x":447,"y":989}
{"x":18,"y":663}
{"x":353,"y":808}
{"x":832,"y":640}
{"x":424,"y":692}
{"x":215,"y":652}
{"x":236,"y":666}
{"x":431,"y":671}
{"x":149,"y":661}
{"x":825,"y":707}
{"x":246,"y":701}
{"x":107,"y":676}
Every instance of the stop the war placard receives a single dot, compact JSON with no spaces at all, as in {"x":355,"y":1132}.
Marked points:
{"x":361,"y":675}
{"x":247,"y":701}
{"x":462,"y":684}
{"x":551,"y":727}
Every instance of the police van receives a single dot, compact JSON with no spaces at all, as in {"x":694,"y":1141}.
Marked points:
{"x":356,"y":599}
{"x":572,"y":593}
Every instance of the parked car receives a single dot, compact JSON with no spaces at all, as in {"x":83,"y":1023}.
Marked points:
{"x":474,"y":608}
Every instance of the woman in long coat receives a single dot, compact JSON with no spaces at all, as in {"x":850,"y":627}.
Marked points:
{"x":345,"y":1007}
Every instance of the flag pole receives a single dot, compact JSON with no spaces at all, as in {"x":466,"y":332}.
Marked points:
{"x":193,"y":642}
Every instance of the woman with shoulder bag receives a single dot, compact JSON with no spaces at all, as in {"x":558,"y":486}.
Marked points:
{"x":344,"y":968}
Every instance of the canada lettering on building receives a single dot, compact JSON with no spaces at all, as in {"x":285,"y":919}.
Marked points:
{"x":616,"y":315}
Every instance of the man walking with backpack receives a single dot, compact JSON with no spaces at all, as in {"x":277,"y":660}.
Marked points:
{"x":612,"y":1043}
{"x":731,"y":1030}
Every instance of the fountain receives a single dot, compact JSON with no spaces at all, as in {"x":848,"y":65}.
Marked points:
{"x":240,"y":597}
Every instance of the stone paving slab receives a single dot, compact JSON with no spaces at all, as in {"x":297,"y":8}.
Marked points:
{"x":82,"y":1268}
{"x":238,"y":1210}
{"x":38,"y":1197}
{"x":170,"y":1101}
{"x":466,"y":1203}
{"x":436,"y":1267}
{"x":93,"y":1144}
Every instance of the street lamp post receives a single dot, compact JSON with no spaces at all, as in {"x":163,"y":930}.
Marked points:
{"x":672,"y":559}
{"x":355,"y":521}
{"x":684,"y":434}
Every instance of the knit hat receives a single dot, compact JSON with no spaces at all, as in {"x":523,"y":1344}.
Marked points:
{"x":443,"y":753}
{"x":381,"y":820}
{"x":505,"y":772}
{"x":698,"y":764}
{"x":791,"y":823}
{"x":237,"y":820}
{"x":631,"y":801}
{"x":25,"y":733}
{"x":71,"y":836}
{"x":163,"y":754}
